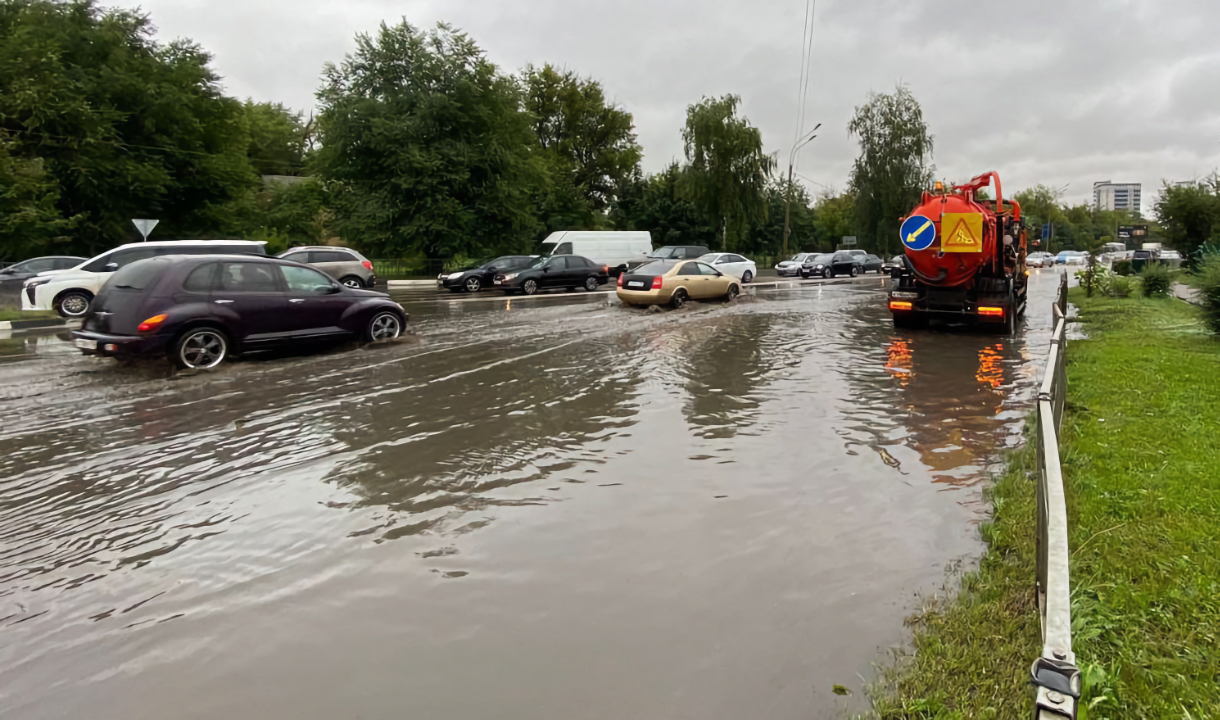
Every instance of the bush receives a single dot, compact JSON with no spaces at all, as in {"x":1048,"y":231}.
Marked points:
{"x":1119,"y":286}
{"x":1209,"y":291}
{"x":1123,"y":267}
{"x":1155,"y":280}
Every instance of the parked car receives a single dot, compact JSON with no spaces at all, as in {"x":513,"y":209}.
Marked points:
{"x":894,"y":263}
{"x":1071,"y":257}
{"x":618,"y":250}
{"x":347,"y":266}
{"x":816,"y":264}
{"x":556,"y":271}
{"x":872,"y":263}
{"x":201,"y":309}
{"x":678,"y":252}
{"x":1171,"y":259}
{"x":732,"y":264}
{"x":845,"y":263}
{"x":1039,"y":260}
{"x":674,"y":282}
{"x":69,"y":292}
{"x":477,"y":277}
{"x":14,"y":276}
{"x":792,"y":266}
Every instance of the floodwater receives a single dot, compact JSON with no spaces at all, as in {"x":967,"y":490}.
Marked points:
{"x":556,"y":509}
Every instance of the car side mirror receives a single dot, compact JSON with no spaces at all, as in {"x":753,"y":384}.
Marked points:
{"x":110,"y":266}
{"x":546,"y":269}
{"x":493,"y":268}
{"x":332,"y":289}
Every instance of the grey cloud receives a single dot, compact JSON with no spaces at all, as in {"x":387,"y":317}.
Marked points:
{"x":1062,"y":93}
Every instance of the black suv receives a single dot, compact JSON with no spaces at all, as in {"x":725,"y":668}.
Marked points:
{"x":200,"y":309}
{"x":679,"y":252}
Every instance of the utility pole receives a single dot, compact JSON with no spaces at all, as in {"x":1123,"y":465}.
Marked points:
{"x":788,"y":195}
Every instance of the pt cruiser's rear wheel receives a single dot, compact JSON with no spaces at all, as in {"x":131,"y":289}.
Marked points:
{"x":385,"y":325}
{"x":201,"y":349}
{"x":73,"y":304}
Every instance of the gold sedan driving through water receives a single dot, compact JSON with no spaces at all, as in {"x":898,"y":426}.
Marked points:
{"x":675,"y":282}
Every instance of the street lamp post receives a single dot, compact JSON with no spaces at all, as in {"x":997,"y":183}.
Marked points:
{"x":788,"y":195}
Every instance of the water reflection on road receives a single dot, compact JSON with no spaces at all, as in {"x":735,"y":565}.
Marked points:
{"x":553,"y":509}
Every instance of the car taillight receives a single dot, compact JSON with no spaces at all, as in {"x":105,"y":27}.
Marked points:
{"x":368,"y":264}
{"x":656,"y":282}
{"x":991,"y":311}
{"x":900,"y":305}
{"x":620,"y":280}
{"x":152,"y":323}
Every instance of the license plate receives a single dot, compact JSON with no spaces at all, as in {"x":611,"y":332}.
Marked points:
{"x":497,"y":282}
{"x":86,"y":344}
{"x":635,"y":284}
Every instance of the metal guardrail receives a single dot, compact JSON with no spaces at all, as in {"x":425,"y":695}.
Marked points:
{"x":1054,"y":672}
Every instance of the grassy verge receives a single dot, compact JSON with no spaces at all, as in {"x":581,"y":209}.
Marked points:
{"x":30,"y":315}
{"x":1141,"y":455}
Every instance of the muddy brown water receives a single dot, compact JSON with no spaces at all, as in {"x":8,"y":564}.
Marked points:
{"x":533,"y":509}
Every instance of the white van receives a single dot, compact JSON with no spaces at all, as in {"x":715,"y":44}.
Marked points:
{"x":617,"y":250}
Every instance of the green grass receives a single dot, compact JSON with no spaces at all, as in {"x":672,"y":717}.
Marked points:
{"x":28,"y":315}
{"x":1141,"y":458}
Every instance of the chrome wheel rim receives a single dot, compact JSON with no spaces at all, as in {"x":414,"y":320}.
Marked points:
{"x":385,"y":327}
{"x":203,"y":350}
{"x":74,"y":305}
{"x":591,"y":284}
{"x":530,"y":287}
{"x":472,"y":284}
{"x":353,"y":283}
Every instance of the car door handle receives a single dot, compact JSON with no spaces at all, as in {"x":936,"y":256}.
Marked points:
{"x":296,"y":300}
{"x":223,"y":302}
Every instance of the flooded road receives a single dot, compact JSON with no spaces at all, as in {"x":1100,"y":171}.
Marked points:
{"x":556,"y":509}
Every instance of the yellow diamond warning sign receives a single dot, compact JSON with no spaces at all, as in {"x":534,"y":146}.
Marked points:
{"x":961,"y":232}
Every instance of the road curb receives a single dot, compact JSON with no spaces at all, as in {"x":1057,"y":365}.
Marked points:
{"x":20,"y":325}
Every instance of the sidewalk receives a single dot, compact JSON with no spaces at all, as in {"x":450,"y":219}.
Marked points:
{"x":1187,"y":294}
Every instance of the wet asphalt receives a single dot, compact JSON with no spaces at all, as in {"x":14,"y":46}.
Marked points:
{"x":549,"y":507}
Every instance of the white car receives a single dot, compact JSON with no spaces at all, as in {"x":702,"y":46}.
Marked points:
{"x":792,"y":266}
{"x":732,"y":264}
{"x":69,"y":292}
{"x":1039,"y":260}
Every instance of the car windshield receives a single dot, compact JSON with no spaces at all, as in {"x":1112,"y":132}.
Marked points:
{"x":538,"y":262}
{"x":709,"y":258}
{"x":823,"y":258}
{"x":799,"y":257}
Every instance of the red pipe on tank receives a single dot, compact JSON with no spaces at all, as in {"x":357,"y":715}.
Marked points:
{"x":982,"y":181}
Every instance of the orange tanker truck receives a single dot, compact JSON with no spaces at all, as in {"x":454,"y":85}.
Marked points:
{"x":964,"y":259}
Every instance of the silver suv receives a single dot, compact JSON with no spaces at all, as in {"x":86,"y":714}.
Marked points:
{"x":347,"y":266}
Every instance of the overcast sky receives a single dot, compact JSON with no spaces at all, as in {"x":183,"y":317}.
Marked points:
{"x":1062,"y":93}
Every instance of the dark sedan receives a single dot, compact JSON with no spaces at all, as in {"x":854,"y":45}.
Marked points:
{"x":13,"y":276}
{"x":816,"y":265}
{"x":894,"y":263}
{"x":477,"y":277}
{"x":845,"y":263}
{"x":199,"y":309}
{"x":872,"y":263}
{"x":556,"y":271}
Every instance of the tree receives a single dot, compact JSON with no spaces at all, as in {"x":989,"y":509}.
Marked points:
{"x":892,"y":170}
{"x":590,"y":145}
{"x":656,"y":204}
{"x":278,"y":139}
{"x":766,"y":238}
{"x":834,"y":217}
{"x":428,"y":147}
{"x":1190,"y":214}
{"x":727,"y":171}
{"x":124,"y":127}
{"x":29,"y":222}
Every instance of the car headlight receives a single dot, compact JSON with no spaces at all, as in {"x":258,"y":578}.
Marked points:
{"x":510,"y":276}
{"x":455,"y":276}
{"x":35,"y":282}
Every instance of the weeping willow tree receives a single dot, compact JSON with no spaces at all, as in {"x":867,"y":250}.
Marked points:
{"x":893,"y":167}
{"x":726,"y":173}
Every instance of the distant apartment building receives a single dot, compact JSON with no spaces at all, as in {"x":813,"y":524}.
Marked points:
{"x":1117,"y":196}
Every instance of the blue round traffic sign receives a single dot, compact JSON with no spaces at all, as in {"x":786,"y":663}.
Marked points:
{"x":917,"y":232}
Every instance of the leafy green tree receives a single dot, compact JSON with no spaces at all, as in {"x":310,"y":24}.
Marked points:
{"x":29,"y":221}
{"x":278,"y":139}
{"x":589,"y":145}
{"x":124,"y":126}
{"x":427,"y":148}
{"x":892,"y":169}
{"x":1190,"y":214}
{"x":656,"y":204}
{"x":727,"y":171}
{"x":766,"y":238}
{"x":834,"y":217}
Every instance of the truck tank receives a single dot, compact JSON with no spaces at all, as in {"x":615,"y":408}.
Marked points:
{"x":964,"y":259}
